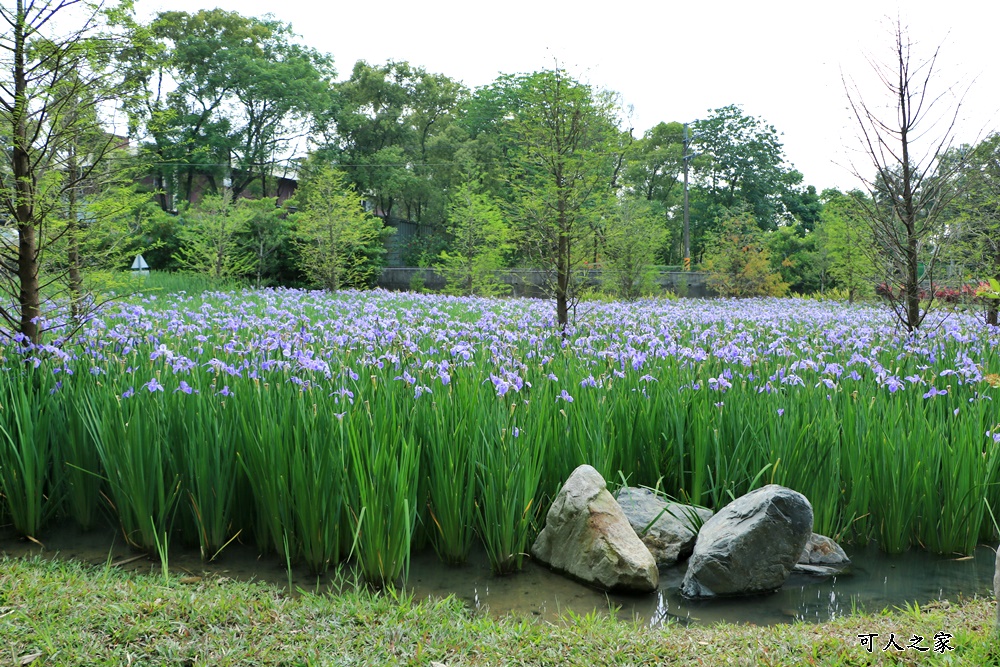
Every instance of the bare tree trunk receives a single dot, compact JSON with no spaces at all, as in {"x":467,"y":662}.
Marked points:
{"x":912,"y":283}
{"x":27,"y":273}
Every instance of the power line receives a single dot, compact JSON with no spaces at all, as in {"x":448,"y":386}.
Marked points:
{"x":335,"y":164}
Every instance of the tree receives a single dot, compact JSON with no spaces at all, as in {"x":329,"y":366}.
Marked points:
{"x":565,"y":152}
{"x":797,"y":259}
{"x":911,"y":186}
{"x":480,"y":239}
{"x":738,"y":260}
{"x":653,"y":173}
{"x":977,"y":216}
{"x":742,"y":163}
{"x":225,"y":97}
{"x":211,"y":237}
{"x":845,"y":235}
{"x":279,"y":93}
{"x":394,"y":137}
{"x":633,"y":237}
{"x":266,"y":232}
{"x":339,"y":243}
{"x":99,"y":222}
{"x":56,"y":64}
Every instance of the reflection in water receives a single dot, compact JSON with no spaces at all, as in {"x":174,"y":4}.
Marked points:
{"x":875,"y":581}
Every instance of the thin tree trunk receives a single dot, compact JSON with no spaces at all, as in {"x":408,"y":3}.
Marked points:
{"x":27,"y":251}
{"x":27,"y":273}
{"x":562,"y":277}
{"x":73,"y":238}
{"x":993,"y":304}
{"x":260,"y":263}
{"x":159,"y":184}
{"x":912,"y":283}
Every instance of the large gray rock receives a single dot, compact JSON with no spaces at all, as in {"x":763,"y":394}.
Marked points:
{"x":587,"y":536}
{"x":751,"y":545}
{"x":673,"y":534}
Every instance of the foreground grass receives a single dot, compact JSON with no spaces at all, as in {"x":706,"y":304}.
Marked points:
{"x":66,"y":613}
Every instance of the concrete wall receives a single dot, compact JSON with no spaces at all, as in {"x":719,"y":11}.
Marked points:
{"x":533,"y":282}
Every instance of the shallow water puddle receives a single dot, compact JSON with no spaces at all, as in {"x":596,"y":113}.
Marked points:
{"x":874,"y":581}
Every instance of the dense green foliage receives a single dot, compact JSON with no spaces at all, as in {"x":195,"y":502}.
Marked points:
{"x":480,"y":241}
{"x":339,"y":244}
{"x":738,"y":261}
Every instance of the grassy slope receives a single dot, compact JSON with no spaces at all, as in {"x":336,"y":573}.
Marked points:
{"x":65,"y":613}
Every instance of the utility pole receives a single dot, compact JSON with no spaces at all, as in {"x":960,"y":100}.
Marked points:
{"x":686,"y":158}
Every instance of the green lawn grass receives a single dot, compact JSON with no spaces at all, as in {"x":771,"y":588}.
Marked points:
{"x":57,"y":612}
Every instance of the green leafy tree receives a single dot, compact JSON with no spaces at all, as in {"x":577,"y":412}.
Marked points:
{"x":653,"y":172}
{"x":798,"y":259}
{"x":480,"y":241}
{"x":845,"y":235}
{"x":633,"y":237}
{"x":738,"y":261}
{"x":742,"y":163}
{"x":211,"y":238}
{"x":279,"y":94}
{"x":56,"y":75}
{"x":564,"y":147}
{"x":339,"y":243}
{"x":976,"y":216}
{"x":265,"y":234}
{"x":802,"y":203}
{"x":395,"y":131}
{"x":226,"y":97}
{"x":182,"y":116}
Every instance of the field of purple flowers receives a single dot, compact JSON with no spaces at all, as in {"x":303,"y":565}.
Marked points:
{"x":367,"y":425}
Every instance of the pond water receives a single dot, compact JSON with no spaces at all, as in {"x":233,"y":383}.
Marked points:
{"x":874,"y":581}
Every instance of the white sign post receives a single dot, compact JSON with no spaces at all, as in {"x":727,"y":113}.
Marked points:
{"x":139,"y":265}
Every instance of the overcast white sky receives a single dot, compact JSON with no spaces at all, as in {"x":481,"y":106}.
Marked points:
{"x":779,"y":60}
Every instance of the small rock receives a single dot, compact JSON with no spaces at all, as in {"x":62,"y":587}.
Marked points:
{"x":996,"y":587}
{"x":751,"y":545}
{"x":821,"y":550}
{"x":818,"y":570}
{"x":587,"y":536}
{"x":672,"y":536}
